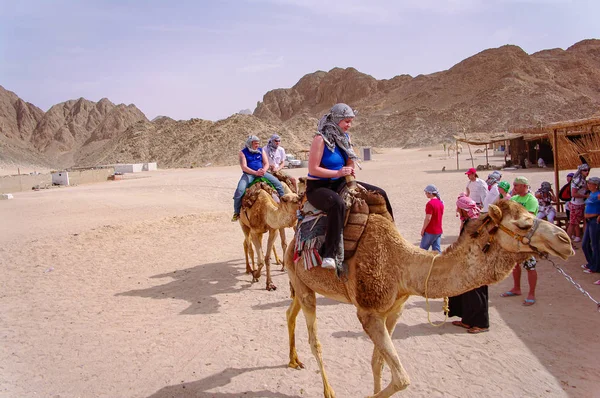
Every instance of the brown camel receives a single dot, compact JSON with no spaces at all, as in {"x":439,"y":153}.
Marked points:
{"x":266,"y":215}
{"x":387,"y":269}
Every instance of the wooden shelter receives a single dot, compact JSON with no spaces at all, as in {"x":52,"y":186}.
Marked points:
{"x":487,"y":139}
{"x":573,"y":142}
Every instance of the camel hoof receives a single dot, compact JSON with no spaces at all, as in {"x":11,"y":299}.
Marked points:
{"x":296,"y":365}
{"x":271,"y":286}
{"x":248,"y":271}
{"x":254,"y":280}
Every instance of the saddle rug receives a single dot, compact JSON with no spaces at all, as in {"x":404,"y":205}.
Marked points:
{"x":312,"y":227}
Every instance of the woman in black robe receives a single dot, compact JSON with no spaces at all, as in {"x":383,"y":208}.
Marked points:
{"x":471,"y":306}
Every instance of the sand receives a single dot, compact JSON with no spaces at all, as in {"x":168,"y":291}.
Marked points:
{"x":136,"y":288}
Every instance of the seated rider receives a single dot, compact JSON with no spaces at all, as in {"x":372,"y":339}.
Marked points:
{"x":331,"y":159}
{"x":254,"y":164}
{"x":276,"y":156}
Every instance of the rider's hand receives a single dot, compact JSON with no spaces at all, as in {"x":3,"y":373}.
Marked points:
{"x":345,"y":171}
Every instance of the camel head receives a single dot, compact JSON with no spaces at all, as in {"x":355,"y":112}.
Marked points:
{"x":290,"y":200}
{"x":520,"y":232}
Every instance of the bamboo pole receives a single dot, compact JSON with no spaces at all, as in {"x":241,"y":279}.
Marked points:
{"x":555,"y":153}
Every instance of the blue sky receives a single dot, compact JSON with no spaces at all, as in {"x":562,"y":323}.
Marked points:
{"x":209,"y":59}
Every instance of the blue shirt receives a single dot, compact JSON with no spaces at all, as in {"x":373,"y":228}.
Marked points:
{"x":332,"y":161}
{"x":253,"y":160}
{"x":592,"y":203}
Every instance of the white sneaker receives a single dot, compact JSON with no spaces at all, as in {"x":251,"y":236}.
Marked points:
{"x":328,"y":263}
{"x":577,"y":239}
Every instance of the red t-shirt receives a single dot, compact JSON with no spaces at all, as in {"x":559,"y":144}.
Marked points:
{"x":435,"y":207}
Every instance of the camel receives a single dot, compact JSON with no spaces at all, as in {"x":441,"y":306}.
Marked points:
{"x":266,"y":215}
{"x":387,"y":269}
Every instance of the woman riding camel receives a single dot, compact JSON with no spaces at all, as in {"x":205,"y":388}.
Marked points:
{"x":331,"y":159}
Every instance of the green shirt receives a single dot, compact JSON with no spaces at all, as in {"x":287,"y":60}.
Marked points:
{"x":528,"y":201}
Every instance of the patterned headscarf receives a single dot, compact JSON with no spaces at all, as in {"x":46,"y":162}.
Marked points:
{"x":465,"y":203}
{"x":578,"y":180}
{"x":546,"y":186}
{"x":271,"y":147}
{"x":493,"y":178}
{"x":249,"y":142}
{"x":332,"y":133}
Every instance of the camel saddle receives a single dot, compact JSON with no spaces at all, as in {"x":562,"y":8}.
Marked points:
{"x":312,"y":225}
{"x":283,"y":177}
{"x":252,"y":192}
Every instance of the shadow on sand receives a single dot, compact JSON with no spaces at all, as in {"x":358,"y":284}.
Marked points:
{"x":321,"y":301}
{"x":197,"y":285}
{"x":200,"y":388}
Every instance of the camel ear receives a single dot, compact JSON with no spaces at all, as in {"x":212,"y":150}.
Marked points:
{"x":495,"y":213}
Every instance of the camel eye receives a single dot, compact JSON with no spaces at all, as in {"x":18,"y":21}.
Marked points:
{"x":523,"y":227}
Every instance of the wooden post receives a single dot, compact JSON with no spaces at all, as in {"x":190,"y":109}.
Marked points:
{"x":556,"y":168}
{"x":456,"y":147}
{"x":505,"y":152}
{"x":487,"y":163}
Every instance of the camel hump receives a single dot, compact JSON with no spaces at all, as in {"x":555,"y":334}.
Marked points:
{"x":252,"y":193}
{"x":283,"y":177}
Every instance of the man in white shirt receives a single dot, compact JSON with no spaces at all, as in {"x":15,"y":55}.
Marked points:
{"x":493,"y":194}
{"x":275,"y":153}
{"x":276,"y":157}
{"x":476,"y":188}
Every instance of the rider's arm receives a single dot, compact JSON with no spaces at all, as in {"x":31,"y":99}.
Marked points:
{"x":244,"y":164}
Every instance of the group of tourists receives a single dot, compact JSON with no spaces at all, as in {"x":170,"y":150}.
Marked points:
{"x":332,"y":159}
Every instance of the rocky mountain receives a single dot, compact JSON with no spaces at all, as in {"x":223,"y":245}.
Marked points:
{"x":491,"y":91}
{"x":494,"y":90}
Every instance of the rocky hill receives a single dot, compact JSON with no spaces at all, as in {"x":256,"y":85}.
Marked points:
{"x":494,"y":90}
{"x":491,"y":91}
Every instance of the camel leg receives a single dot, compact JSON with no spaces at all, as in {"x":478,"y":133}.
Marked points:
{"x":291,"y":314}
{"x":248,"y":251}
{"x":270,"y":247}
{"x":375,"y":326}
{"x":257,"y":241}
{"x":283,"y":245}
{"x":277,"y":260}
{"x":377,"y":360}
{"x":308,"y":302}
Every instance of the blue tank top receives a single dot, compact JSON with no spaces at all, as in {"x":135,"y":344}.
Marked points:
{"x":592,"y":203}
{"x":254,"y":161}
{"x":332,"y":161}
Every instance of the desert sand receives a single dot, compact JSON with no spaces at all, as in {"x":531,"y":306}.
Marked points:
{"x":136,"y":288}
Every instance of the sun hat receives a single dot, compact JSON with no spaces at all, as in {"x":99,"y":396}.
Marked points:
{"x":472,"y":170}
{"x":504,"y":185}
{"x":521,"y":180}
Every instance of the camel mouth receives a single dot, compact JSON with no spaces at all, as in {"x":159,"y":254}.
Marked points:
{"x":564,"y":254}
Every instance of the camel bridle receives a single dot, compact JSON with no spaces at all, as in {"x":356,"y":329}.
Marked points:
{"x":521,"y":239}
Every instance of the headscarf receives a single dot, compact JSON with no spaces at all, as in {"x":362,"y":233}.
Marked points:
{"x":271,"y":147}
{"x":546,"y":186}
{"x":578,"y":180}
{"x":493,"y":178}
{"x":332,"y":133}
{"x":249,"y":142}
{"x":595,"y":181}
{"x":432,"y":190}
{"x":465,"y":203}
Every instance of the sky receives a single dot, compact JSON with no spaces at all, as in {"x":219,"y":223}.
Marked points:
{"x":210,"y":59}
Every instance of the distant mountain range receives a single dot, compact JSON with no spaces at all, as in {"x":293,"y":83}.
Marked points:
{"x":491,"y":91}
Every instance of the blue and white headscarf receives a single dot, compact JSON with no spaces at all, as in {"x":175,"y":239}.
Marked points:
{"x":578,"y":180}
{"x":271,"y":147}
{"x":332,"y":133}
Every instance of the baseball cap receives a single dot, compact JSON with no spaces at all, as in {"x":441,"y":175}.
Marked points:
{"x":472,"y":170}
{"x":521,"y":180}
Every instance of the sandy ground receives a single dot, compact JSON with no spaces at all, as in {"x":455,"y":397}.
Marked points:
{"x":136,"y":288}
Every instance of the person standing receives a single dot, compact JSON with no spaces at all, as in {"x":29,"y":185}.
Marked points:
{"x":431,"y":233}
{"x":471,"y":306}
{"x":522,"y":195}
{"x":493,"y":194}
{"x":591,"y":237}
{"x":565,"y":194}
{"x":577,"y":204}
{"x":477,"y":189}
{"x":254,"y":164}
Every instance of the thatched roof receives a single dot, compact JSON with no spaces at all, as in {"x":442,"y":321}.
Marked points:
{"x":568,"y":126}
{"x":486,"y":138}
